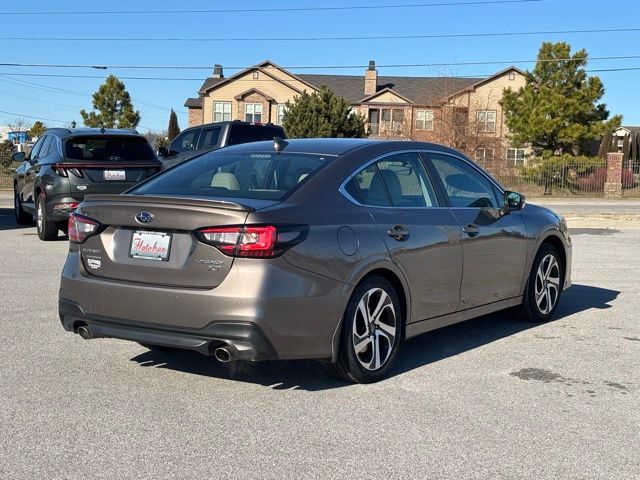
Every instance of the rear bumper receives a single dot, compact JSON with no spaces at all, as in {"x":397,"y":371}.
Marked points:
{"x":264,"y":310}
{"x":245,"y":340}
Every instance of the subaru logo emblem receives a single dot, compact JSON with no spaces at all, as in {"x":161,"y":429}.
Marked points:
{"x":144,"y":217}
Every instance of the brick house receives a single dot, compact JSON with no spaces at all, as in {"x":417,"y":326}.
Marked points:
{"x":465,"y":113}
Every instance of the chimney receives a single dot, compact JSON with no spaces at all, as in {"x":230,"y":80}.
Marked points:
{"x":217,"y":71}
{"x":371,"y":79}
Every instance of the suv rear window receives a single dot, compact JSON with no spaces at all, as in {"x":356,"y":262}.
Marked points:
{"x":252,"y":175}
{"x":253,"y":133}
{"x":105,"y":147}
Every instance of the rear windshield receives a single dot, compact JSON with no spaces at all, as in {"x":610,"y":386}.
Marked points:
{"x":263,"y":175}
{"x":252,"y":133}
{"x":109,"y":148}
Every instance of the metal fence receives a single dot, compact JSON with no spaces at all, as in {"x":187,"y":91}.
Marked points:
{"x":569,"y":177}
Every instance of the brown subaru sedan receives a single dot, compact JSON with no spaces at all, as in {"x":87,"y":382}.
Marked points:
{"x":333,"y":249}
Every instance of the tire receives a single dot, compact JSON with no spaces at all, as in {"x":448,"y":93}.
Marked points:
{"x":47,"y":230}
{"x":369,"y":341}
{"x":542,"y":293}
{"x":22,"y":217}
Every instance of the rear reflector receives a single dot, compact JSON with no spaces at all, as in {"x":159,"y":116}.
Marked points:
{"x":264,"y":241}
{"x":80,"y":228}
{"x":66,"y":206}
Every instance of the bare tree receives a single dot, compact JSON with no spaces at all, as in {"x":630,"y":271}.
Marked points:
{"x":19,"y":124}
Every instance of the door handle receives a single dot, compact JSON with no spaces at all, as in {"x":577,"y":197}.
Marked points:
{"x":398,"y":232}
{"x":472,"y":230}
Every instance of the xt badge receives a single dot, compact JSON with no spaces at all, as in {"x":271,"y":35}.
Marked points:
{"x":214,"y":265}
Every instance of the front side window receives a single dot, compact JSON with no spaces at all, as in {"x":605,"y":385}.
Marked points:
{"x":486,"y":121}
{"x":395,"y":181}
{"x":424,"y":119}
{"x":516,"y":157}
{"x":44,"y":151}
{"x":253,"y":112}
{"x":35,"y":151}
{"x":465,"y":186}
{"x":251,"y":175}
{"x":221,"y":111}
{"x":187,"y":140}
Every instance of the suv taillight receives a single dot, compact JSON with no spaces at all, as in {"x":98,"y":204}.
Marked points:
{"x":264,"y":241}
{"x":80,"y":228}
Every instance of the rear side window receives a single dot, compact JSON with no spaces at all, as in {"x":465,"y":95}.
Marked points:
{"x":254,"y":175}
{"x":209,"y":137}
{"x":109,"y":148}
{"x":252,"y":133}
{"x":395,"y":181}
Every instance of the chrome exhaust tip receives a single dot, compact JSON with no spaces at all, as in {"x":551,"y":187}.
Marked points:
{"x":84,"y":333}
{"x":222,"y":354}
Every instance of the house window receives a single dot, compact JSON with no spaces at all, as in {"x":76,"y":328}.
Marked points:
{"x":516,"y":157}
{"x":282,"y":107}
{"x":424,"y":119}
{"x":512,"y":76}
{"x":253,"y":112}
{"x":221,"y":111}
{"x":484,"y":155}
{"x":256,"y":75}
{"x":486,"y":120}
{"x":353,"y":111}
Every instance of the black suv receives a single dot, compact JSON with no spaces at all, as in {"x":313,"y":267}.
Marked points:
{"x":204,"y":138}
{"x":64,"y":165}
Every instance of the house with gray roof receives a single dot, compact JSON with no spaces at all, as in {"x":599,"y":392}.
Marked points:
{"x":464,"y":113}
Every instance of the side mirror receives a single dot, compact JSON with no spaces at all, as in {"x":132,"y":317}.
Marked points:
{"x":18,"y":157}
{"x":513,"y":200}
{"x":163,"y":152}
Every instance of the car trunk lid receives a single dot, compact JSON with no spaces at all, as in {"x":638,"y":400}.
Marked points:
{"x":150,"y":239}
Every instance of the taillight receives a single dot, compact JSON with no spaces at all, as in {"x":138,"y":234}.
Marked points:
{"x":81,"y":228}
{"x":61,"y":171}
{"x":263,"y":241}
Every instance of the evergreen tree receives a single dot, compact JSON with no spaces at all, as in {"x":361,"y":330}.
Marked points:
{"x":37,"y":129}
{"x":557,"y":110}
{"x":174,"y":129}
{"x":113,"y":105}
{"x":322,"y":114}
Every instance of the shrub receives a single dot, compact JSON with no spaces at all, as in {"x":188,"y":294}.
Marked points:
{"x":595,"y":180}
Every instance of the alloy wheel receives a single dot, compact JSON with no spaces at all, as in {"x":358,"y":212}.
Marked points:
{"x":374,"y":329}
{"x":547,"y":286}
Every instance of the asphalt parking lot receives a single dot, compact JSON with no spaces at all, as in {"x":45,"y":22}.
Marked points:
{"x":489,"y":398}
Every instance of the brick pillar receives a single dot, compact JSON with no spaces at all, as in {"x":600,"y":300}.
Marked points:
{"x":613,"y":185}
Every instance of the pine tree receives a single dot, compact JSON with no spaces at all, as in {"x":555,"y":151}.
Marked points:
{"x":37,"y":129}
{"x":322,"y":114}
{"x":557,"y":110}
{"x":113,"y":105}
{"x":174,"y":129}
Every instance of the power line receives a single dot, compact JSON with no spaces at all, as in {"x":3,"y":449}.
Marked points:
{"x":320,"y":39}
{"x":178,"y":79}
{"x":32,"y":117}
{"x":6,"y":77}
{"x":325,"y":67}
{"x":271,"y":10}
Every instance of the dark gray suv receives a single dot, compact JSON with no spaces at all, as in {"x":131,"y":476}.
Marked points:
{"x":66,"y":164}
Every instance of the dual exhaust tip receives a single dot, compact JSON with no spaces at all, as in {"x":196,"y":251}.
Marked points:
{"x":222,"y":354}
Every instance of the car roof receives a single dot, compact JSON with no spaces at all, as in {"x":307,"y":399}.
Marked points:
{"x":234,"y":122}
{"x":333,"y":146}
{"x":75,"y":132}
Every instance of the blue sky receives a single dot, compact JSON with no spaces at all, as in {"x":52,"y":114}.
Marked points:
{"x":154,"y":97}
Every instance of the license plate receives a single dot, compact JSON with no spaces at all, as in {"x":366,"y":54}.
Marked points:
{"x":150,"y":245}
{"x":115,"y":175}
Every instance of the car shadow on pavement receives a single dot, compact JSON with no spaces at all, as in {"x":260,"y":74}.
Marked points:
{"x":8,"y":220}
{"x":428,"y":348}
